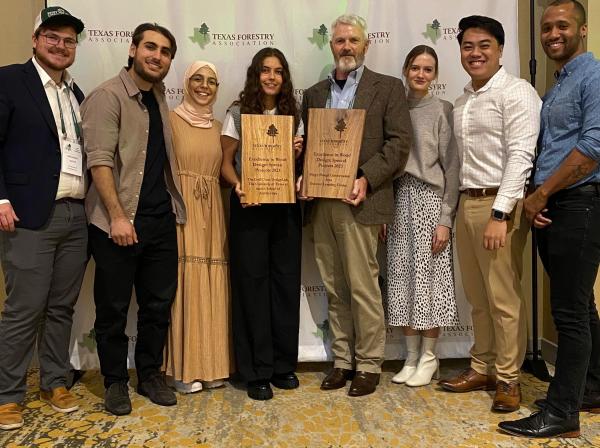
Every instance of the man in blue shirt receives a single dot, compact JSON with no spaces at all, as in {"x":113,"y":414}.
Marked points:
{"x":565,"y":208}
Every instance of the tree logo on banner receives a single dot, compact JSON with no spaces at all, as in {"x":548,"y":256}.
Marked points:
{"x":432,"y":31}
{"x":323,"y":331}
{"x":319,"y":36}
{"x":201,"y":35}
{"x":88,"y":340}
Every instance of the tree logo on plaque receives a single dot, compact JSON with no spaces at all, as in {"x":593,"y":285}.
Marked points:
{"x":341,"y":126}
{"x":272,"y":132}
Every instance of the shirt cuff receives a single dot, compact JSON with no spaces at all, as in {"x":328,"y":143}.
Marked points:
{"x":504,"y":203}
{"x":4,"y":201}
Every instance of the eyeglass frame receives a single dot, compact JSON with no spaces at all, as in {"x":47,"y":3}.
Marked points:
{"x":68,"y":42}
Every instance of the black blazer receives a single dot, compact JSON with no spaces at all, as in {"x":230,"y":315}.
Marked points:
{"x":30,"y":156}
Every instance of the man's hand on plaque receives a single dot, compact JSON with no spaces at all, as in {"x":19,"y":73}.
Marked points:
{"x":299,"y":190}
{"x":359,"y":192}
{"x":242,"y":195}
{"x":298,"y":140}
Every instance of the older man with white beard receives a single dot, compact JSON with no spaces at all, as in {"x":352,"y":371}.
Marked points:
{"x":345,"y":231}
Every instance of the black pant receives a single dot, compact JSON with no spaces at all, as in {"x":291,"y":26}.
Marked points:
{"x":265,"y":285}
{"x":150,"y":266}
{"x":570,"y":251}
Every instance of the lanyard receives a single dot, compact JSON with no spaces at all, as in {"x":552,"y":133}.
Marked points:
{"x":62,"y":120}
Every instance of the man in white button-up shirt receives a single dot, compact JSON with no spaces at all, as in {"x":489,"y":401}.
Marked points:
{"x":43,"y":228}
{"x":496,"y":123}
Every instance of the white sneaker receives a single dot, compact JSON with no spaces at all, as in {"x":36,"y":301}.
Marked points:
{"x":187,"y":388}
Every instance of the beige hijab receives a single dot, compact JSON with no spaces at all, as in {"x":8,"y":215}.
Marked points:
{"x":195,"y":114}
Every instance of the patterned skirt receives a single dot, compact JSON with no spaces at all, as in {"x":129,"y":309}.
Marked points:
{"x":420,"y":285}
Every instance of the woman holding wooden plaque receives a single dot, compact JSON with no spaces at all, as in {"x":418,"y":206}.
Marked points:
{"x":197,"y":353}
{"x":420,"y":284}
{"x":265,"y":242}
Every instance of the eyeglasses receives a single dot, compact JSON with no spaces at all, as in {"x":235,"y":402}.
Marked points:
{"x":54,"y":40}
{"x":199,"y":79}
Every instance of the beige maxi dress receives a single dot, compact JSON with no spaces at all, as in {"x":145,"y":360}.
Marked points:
{"x":198,"y":343}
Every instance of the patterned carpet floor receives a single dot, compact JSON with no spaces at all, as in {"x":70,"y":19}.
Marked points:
{"x":394,"y":416}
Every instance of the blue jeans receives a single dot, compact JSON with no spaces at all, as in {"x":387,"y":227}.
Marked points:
{"x":570,"y":251}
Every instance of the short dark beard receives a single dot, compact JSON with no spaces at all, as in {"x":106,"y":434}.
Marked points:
{"x":139,"y":70}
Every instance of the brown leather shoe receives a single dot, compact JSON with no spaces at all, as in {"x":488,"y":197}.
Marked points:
{"x":469,"y":380}
{"x":364,"y":383}
{"x":60,"y":399}
{"x":337,"y":379}
{"x":11,"y":416}
{"x":508,"y":397}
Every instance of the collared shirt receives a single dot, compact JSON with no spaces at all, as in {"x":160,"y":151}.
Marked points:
{"x":496,"y":129}
{"x":343,"y":98}
{"x":571,"y":118}
{"x":69,"y":185}
{"x":115,"y":130}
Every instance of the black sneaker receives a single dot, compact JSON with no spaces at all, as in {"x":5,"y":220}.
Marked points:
{"x":116,"y":399}
{"x":260,"y":390}
{"x":285,"y":380}
{"x":155,"y":388}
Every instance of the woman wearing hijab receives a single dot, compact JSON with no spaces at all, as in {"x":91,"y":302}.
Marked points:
{"x":197,"y":351}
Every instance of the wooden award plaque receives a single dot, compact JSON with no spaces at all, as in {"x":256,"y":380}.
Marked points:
{"x":332,"y":149}
{"x":268,"y":159}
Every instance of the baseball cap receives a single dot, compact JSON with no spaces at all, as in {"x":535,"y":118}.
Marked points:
{"x":55,"y":15}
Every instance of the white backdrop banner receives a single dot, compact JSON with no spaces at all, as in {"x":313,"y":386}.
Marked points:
{"x":228,"y":35}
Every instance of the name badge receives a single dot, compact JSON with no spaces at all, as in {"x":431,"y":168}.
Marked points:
{"x":72,"y":157}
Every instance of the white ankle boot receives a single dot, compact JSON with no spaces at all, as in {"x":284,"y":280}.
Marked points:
{"x":428,"y":365}
{"x":413,"y":344}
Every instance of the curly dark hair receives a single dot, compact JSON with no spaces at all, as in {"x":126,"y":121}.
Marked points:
{"x":251,"y":99}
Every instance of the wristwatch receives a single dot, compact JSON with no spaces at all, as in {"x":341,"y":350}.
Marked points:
{"x":497,"y":215}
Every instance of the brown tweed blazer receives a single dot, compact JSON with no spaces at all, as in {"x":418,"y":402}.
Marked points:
{"x":386,"y":140}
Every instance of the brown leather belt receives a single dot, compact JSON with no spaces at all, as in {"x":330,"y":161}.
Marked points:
{"x":480,"y":192}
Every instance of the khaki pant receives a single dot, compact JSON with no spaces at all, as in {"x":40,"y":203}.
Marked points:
{"x":345,"y":251}
{"x":492,"y":284}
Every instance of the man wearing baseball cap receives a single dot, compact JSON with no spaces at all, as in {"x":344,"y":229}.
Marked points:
{"x":43,"y":232}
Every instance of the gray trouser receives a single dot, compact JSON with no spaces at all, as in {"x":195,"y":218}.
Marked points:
{"x":43,"y":271}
